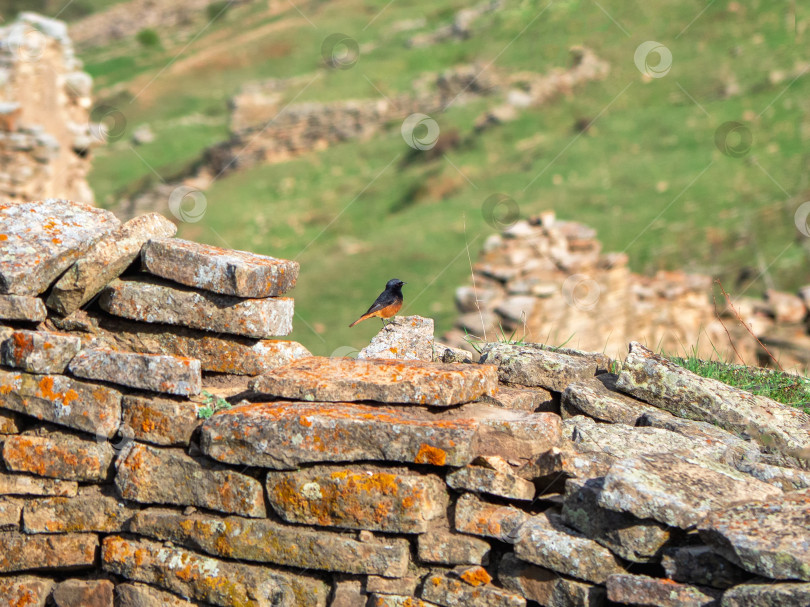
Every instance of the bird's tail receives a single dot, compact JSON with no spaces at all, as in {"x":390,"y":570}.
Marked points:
{"x":363,"y":317}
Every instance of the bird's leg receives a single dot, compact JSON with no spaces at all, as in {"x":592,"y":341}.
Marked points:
{"x":383,"y":322}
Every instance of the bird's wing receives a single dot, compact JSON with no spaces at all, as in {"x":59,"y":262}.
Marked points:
{"x":383,"y":301}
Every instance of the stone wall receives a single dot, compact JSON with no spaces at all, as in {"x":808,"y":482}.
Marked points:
{"x":159,"y":448}
{"x":548,"y":280}
{"x":45,"y":130}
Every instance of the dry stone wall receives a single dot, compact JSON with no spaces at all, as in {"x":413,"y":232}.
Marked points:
{"x":45,"y":103}
{"x":536,"y":476}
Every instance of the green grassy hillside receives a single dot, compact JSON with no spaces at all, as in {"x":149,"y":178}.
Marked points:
{"x":647,"y":174}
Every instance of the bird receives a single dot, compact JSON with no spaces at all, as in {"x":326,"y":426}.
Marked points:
{"x":387,"y":304}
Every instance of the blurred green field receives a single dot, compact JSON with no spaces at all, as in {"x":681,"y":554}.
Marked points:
{"x":647,"y":174}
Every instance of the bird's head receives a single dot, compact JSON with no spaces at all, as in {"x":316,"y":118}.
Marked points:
{"x":394,"y":283}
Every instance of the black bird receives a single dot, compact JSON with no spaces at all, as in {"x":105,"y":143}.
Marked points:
{"x":387,"y":304}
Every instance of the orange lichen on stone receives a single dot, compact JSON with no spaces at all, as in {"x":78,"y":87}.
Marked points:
{"x":430,"y":455}
{"x":476,"y":576}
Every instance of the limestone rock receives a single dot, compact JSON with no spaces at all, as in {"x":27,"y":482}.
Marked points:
{"x":283,"y":435}
{"x":105,"y":261}
{"x":532,"y":365}
{"x":769,"y":594}
{"x":42,"y":239}
{"x":62,"y":400}
{"x":787,"y":479}
{"x":594,"y":399}
{"x":155,"y":372}
{"x":160,"y":421}
{"x":521,"y":399}
{"x":141,"y":595}
{"x":547,"y":587}
{"x":787,"y":307}
{"x":210,"y":268}
{"x":266,"y":541}
{"x":222,"y":583}
{"x":643,"y":590}
{"x":58,"y":455}
{"x":386,"y":381}
{"x":84,"y":593}
{"x":451,"y":590}
{"x":23,"y":484}
{"x":93,"y":509}
{"x":480,"y":479}
{"x":701,"y":565}
{"x":169,"y":476}
{"x":348,"y":593}
{"x":378,"y":499}
{"x":545,"y":541}
{"x":25,"y":590}
{"x":22,"y":307}
{"x":10,"y":422}
{"x":446,"y":548}
{"x":156,"y":301}
{"x":39,"y":351}
{"x":20,"y":552}
{"x":219,"y":353}
{"x":767,"y":536}
{"x":677,"y":490}
{"x":636,"y":540}
{"x":10,"y":513}
{"x":405,"y":586}
{"x":402,"y":338}
{"x":477,"y":517}
{"x":656,"y":380}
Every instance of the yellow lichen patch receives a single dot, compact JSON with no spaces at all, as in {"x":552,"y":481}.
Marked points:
{"x":430,"y":455}
{"x":476,"y":576}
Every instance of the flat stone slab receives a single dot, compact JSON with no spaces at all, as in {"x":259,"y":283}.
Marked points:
{"x":160,"y":421}
{"x":480,"y":479}
{"x":10,"y":422}
{"x":473,"y":590}
{"x":396,"y":600}
{"x":769,"y":537}
{"x":266,"y":541}
{"x":58,"y":455}
{"x":105,"y":261}
{"x":442,"y":547}
{"x":155,"y":301}
{"x":283,"y":435}
{"x":520,"y":399}
{"x":84,"y":593}
{"x":94,"y":509}
{"x":677,"y":490}
{"x":232,"y":354}
{"x":62,"y":400}
{"x":22,"y":307}
{"x":202,"y":578}
{"x":769,"y":594}
{"x":658,"y":381}
{"x":633,"y":539}
{"x":402,"y":338}
{"x":477,"y":517}
{"x":21,"y":552}
{"x":155,"y":372}
{"x":42,"y":239}
{"x":325,"y":379}
{"x":644,"y":590}
{"x":533,"y":365}
{"x":10,"y":513}
{"x":545,"y":541}
{"x":547,"y":587}
{"x":225,"y":271}
{"x":39,"y":351}
{"x":594,"y":399}
{"x":24,"y":484}
{"x":168,"y":476}
{"x":26,"y":590}
{"x":143,"y":595}
{"x":378,"y":499}
{"x":703,"y":566}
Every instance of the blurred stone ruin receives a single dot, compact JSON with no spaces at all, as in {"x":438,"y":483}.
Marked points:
{"x":161,"y":444}
{"x":545,"y":279}
{"x":45,"y":103}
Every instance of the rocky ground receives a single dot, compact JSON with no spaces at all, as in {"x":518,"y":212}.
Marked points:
{"x":409,"y":476}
